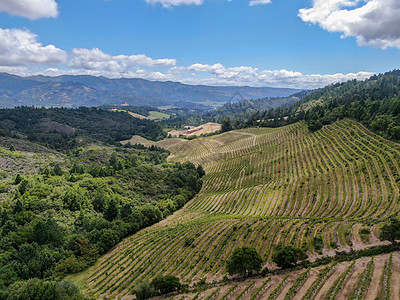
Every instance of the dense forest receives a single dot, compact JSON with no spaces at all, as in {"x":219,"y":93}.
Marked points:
{"x":61,"y":220}
{"x":62,"y":129}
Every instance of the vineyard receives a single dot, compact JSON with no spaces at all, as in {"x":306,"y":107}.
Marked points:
{"x":322,"y":192}
{"x":365,"y":278}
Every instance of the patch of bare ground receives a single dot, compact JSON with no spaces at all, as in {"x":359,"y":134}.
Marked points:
{"x":349,"y":286}
{"x":395,"y":279}
{"x":307,"y":284}
{"x":199,"y":130}
{"x":379,"y":267}
{"x":271,"y":286}
{"x":288,"y":284}
{"x":339,"y":269}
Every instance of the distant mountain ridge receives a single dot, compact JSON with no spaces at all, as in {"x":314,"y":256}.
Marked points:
{"x":85,"y":90}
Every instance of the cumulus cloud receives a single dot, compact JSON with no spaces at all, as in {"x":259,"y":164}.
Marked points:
{"x":257,"y":2}
{"x":221,"y":75}
{"x":21,"y":48}
{"x":200,"y":74}
{"x":374,"y":23}
{"x":95,"y":59}
{"x":21,"y":53}
{"x":170,"y":3}
{"x":31,"y":9}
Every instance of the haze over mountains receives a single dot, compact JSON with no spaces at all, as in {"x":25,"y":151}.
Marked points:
{"x":75,"y":91}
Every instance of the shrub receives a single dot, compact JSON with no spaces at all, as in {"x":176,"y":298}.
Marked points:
{"x":166,"y":284}
{"x":287,"y":256}
{"x":144,"y":289}
{"x":244,"y":261}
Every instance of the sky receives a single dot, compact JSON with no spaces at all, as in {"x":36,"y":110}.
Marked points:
{"x":276,"y":43}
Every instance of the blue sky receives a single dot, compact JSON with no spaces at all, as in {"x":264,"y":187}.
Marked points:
{"x":294,"y":43}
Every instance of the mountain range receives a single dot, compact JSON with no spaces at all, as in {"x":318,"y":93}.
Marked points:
{"x":85,"y":90}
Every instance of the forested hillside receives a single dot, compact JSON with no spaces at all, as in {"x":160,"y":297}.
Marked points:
{"x":63,"y":129}
{"x":61,"y":218}
{"x":251,"y":106}
{"x":75,"y":91}
{"x":374,"y":102}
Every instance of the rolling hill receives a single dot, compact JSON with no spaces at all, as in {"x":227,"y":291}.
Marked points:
{"x":315,"y":190}
{"x":75,"y":91}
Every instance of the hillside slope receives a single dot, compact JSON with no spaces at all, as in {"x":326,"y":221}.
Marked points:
{"x":263,"y":186}
{"x":75,"y":91}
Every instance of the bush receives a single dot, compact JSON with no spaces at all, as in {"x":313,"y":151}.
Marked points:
{"x":390,"y":231}
{"x":144,"y":289}
{"x":287,"y":256}
{"x":166,"y":284}
{"x":318,"y":244}
{"x":244,"y":261}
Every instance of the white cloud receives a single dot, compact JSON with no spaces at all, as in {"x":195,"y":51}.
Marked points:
{"x":257,"y":2}
{"x":169,"y":3}
{"x":21,"y":48}
{"x":31,"y":9}
{"x":95,"y":59}
{"x":22,"y":54}
{"x":221,"y":75}
{"x":374,"y":23}
{"x":237,"y":76}
{"x":141,"y":73}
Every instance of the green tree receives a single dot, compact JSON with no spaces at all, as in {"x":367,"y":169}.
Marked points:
{"x":166,"y":284}
{"x":107,"y":239}
{"x":287,"y":256}
{"x":200,"y":171}
{"x":47,"y":232}
{"x":19,"y":206}
{"x":18,"y":179}
{"x":144,"y":289}
{"x":390,"y":231}
{"x":74,"y":198}
{"x":226,"y":125}
{"x":23,"y":186}
{"x":111,"y":212}
{"x":57,"y":170}
{"x":99,"y":200}
{"x":244,"y":261}
{"x":35,"y":289}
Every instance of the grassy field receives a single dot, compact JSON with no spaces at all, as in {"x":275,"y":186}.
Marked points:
{"x":156,"y":115}
{"x":153,"y":115}
{"x":265,"y":186}
{"x":166,"y":143}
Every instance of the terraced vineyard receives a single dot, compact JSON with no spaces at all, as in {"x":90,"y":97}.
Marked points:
{"x":265,"y":186}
